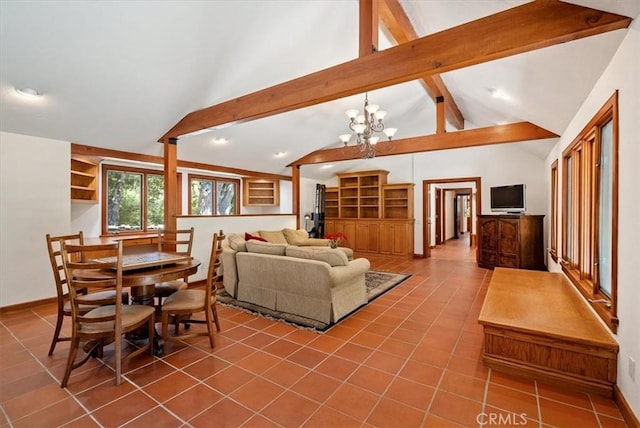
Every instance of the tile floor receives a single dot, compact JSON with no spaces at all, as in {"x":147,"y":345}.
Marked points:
{"x":411,"y":358}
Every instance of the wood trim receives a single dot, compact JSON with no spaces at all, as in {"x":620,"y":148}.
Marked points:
{"x":511,"y":133}
{"x":170,"y":183}
{"x":399,"y":26}
{"x":534,"y":25}
{"x":425,"y":208}
{"x":625,"y":409}
{"x":100,"y":153}
{"x":214,"y":203}
{"x":368,"y":37}
{"x":27,"y":305}
{"x":553,"y":241}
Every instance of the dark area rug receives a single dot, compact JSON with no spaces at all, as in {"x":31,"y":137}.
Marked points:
{"x":377,"y":284}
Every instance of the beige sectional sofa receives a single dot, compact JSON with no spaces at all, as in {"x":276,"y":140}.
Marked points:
{"x":308,"y":279}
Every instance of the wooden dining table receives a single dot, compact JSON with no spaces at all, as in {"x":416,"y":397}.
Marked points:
{"x":141,"y":271}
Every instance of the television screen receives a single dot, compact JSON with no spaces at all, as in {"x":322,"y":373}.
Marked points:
{"x":508,"y":198}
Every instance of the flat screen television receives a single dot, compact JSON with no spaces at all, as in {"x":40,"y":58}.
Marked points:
{"x":508,"y":198}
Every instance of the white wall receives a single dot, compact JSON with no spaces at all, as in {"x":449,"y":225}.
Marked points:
{"x":622,"y":74}
{"x":34,"y":201}
{"x":448,"y":214}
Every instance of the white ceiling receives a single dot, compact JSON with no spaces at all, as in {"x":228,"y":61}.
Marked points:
{"x":119,"y":74}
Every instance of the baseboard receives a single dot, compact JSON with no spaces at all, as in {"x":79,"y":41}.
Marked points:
{"x":27,"y":305}
{"x":627,"y":413}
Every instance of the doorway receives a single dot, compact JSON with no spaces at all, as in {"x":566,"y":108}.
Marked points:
{"x":433,"y":213}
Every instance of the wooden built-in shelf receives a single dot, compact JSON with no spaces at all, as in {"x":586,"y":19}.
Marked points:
{"x":260,"y":192}
{"x":84,"y":178}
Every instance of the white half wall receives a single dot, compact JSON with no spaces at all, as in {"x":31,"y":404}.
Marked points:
{"x":34,"y":201}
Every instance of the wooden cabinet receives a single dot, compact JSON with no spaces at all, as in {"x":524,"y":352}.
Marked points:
{"x":84,"y":180}
{"x":347,"y":227}
{"x":391,"y":237}
{"x":397,"y":201}
{"x":514,"y":241}
{"x":260,"y":192}
{"x":396,"y":238}
{"x":331,"y":202}
{"x":359,"y":194}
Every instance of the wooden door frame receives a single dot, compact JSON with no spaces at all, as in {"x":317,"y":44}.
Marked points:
{"x":426,"y":207}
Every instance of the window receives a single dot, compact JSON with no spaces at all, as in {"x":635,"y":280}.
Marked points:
{"x":213,"y":195}
{"x":590,"y":206}
{"x":132,"y":199}
{"x":554,"y":212}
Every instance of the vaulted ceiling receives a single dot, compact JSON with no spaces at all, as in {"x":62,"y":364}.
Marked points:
{"x":120,"y":75}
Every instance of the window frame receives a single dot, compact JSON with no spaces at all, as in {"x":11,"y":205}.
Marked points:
{"x":580,"y":227}
{"x":553,"y":241}
{"x":215,"y":179}
{"x":105,"y":168}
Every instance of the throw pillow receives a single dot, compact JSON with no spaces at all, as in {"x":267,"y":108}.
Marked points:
{"x":328,"y":255}
{"x":273,"y":236}
{"x":296,"y":237}
{"x":248,"y":237}
{"x":236,"y":242}
{"x":254,"y":246}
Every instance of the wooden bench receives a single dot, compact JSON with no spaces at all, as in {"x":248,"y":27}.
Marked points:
{"x":537,"y":325}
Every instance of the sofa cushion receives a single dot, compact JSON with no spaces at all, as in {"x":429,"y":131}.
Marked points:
{"x":323,"y":254}
{"x":254,"y":246}
{"x":273,"y":236}
{"x":249,"y":237}
{"x":296,"y":237}
{"x":236,"y":242}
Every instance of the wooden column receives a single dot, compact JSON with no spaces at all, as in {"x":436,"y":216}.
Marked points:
{"x":368,"y":27}
{"x":295,"y":192}
{"x":440,"y":115}
{"x":170,"y":182}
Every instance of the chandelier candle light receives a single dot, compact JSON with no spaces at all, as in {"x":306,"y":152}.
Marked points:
{"x":365,"y":125}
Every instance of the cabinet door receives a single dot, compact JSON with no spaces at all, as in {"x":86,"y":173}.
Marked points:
{"x":399,"y":234}
{"x":362,"y":237}
{"x":386,"y":238}
{"x":509,"y":243}
{"x":329,"y":227}
{"x":348,"y":228}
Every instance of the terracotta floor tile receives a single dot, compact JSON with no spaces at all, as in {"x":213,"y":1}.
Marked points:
{"x":605,"y":406}
{"x":279,"y":329}
{"x":57,"y":414}
{"x":388,"y":363}
{"x":259,"y":421}
{"x":82,"y":422}
{"x":229,"y":379}
{"x":514,"y":382}
{"x":370,"y":379}
{"x":259,"y":340}
{"x":466,"y":386}
{"x":206,"y":367}
{"x":455,"y":408}
{"x":257,"y":393}
{"x":185,"y":357}
{"x":104,"y":393}
{"x":290,"y":409}
{"x":224,"y":413}
{"x":353,"y":401}
{"x":431,"y":356}
{"x":34,"y":400}
{"x":234,"y":352}
{"x":193,"y":401}
{"x":513,"y":401}
{"x":157,"y":418}
{"x":370,"y":340}
{"x":422,"y":373}
{"x":610,"y":422}
{"x":124,"y":409}
{"x":337,"y":367}
{"x":281,"y":348}
{"x":327,"y":417}
{"x":577,"y":399}
{"x":562,"y":415}
{"x":316,"y":386}
{"x":468,"y":367}
{"x":169,"y":386}
{"x":307,"y":357}
{"x":353,"y":352}
{"x":258,"y":362}
{"x":341,"y":332}
{"x":391,"y":413}
{"x":410,"y":393}
{"x":326,"y":344}
{"x":150,"y":373}
{"x":285,"y":373}
{"x":433,"y":421}
{"x":238,"y":333}
{"x":301,"y":337}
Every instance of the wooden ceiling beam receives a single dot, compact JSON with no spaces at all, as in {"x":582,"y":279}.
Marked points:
{"x":510,"y":133}
{"x":368,"y":33}
{"x":400,"y":28}
{"x":524,"y":28}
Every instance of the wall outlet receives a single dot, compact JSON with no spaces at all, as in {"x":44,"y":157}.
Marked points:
{"x":632,"y":369}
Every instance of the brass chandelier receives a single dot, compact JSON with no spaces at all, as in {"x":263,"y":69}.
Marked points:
{"x":365,"y":126}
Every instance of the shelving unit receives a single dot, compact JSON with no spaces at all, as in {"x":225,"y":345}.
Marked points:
{"x":331,"y":202}
{"x":397,"y":201}
{"x":260,"y":192}
{"x":360,"y":194}
{"x":84,"y":177}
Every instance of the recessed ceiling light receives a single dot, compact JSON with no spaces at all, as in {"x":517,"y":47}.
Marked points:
{"x":280,"y":154}
{"x":220,"y":140}
{"x":327,"y":166}
{"x":28,"y":92}
{"x":499,"y":93}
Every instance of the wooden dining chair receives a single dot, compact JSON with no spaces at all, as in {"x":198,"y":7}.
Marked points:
{"x":54,"y":244}
{"x":179,"y":241}
{"x":186,"y":302}
{"x":103,"y":323}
